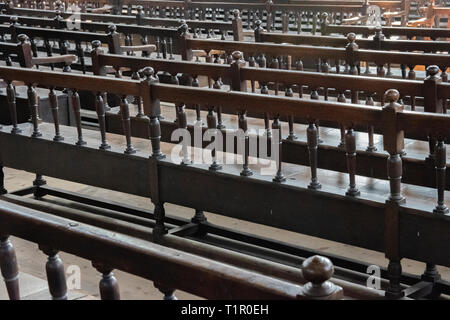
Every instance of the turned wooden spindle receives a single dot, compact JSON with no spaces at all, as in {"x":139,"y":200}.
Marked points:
{"x":137,"y":99}
{"x":243,"y":125}
{"x":277,"y":141}
{"x":56,"y":276}
{"x":394,"y":290}
{"x":370,"y":130}
{"x":33,"y":105}
{"x":441,"y":165}
{"x":341,"y":98}
{"x":218,"y":85}
{"x":9,"y":268}
{"x":109,"y":287}
{"x":53,"y":99}
{"x":317,"y":271}
{"x":350,"y":148}
{"x":312,"y":148}
{"x":155,"y":127}
{"x":126,"y":124}
{"x":77,"y":112}
{"x":182,"y":124}
{"x":196,"y":84}
{"x":290,"y":93}
{"x":11,"y":98}
{"x":100,"y":109}
{"x":212,"y":125}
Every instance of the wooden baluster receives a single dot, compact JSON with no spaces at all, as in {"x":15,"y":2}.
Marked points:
{"x":182,"y":124}
{"x":9,"y":268}
{"x":77,"y":112}
{"x":126,"y":125}
{"x":412,"y":76}
{"x":49,"y":49}
{"x":441,"y":165}
{"x":196,"y":84}
{"x":252,"y":63}
{"x":381,"y":72}
{"x":56,"y":276}
{"x":243,"y":125}
{"x":277,"y":142}
{"x":53,"y":99}
{"x":394,"y":144}
{"x":109,"y":287}
{"x":33,"y":105}
{"x":290,"y":93}
{"x":11,"y":98}
{"x":155,"y":128}
{"x":350,"y":148}
{"x":171,"y":57}
{"x":80,"y":55}
{"x":265,"y":90}
{"x":100,"y":109}
{"x":315,"y":96}
{"x":371,"y":130}
{"x":312,"y":148}
{"x":158,"y":48}
{"x":341,"y":98}
{"x":212,"y":125}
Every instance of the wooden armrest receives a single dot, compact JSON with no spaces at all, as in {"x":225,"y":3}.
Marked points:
{"x":68,"y":59}
{"x":102,"y":9}
{"x":202,"y":53}
{"x":394,"y":14}
{"x":145,"y":47}
{"x":354,"y":19}
{"x":418,"y":22}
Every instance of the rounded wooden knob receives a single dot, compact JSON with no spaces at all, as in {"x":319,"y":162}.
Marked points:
{"x":236,"y":13}
{"x":378,"y":29}
{"x":392,"y":95}
{"x":324,"y":16}
{"x":183,"y":28}
{"x":432,"y":70}
{"x":14,"y":19}
{"x":112,"y":28}
{"x":22,"y":38}
{"x":237,"y":55}
{"x":351,"y":37}
{"x":258,"y":23}
{"x":148,"y":72}
{"x":317,"y":269}
{"x":140,"y":8}
{"x":96,"y":44}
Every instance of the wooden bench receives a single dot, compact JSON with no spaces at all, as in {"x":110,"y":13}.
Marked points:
{"x":389,"y":226}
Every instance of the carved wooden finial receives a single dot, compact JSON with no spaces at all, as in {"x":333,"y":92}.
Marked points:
{"x":183,"y":28}
{"x":351,"y":37}
{"x":112,"y":29}
{"x":236,"y":13}
{"x":96,"y":44}
{"x":433,"y":72}
{"x":324,"y":17}
{"x":14,"y":20}
{"x":317,"y":270}
{"x":23,"y":38}
{"x":392,"y":96}
{"x":148,"y":73}
{"x":258,"y":25}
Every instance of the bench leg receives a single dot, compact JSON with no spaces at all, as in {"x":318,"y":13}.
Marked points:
{"x":9,"y":268}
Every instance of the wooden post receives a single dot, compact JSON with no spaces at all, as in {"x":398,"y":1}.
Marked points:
{"x":9,"y":268}
{"x":393,"y":139}
{"x":184,"y":36}
{"x":237,"y":84}
{"x":236,"y":25}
